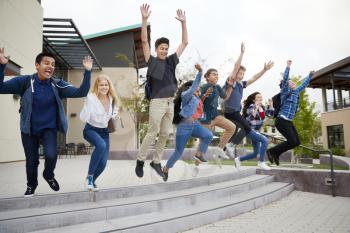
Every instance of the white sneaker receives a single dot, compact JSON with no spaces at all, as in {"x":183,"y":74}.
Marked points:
{"x":237,"y":162}
{"x":217,"y":159}
{"x":230,"y":151}
{"x":89,"y":183}
{"x":263,"y":166}
{"x":95,"y":188}
{"x":221,"y":153}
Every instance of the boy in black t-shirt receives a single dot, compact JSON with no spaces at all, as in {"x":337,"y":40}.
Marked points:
{"x":161,"y":75}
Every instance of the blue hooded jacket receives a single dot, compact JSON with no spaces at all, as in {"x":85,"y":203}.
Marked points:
{"x":18,"y":85}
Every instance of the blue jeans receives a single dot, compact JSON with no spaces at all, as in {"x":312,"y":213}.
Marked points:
{"x":99,"y":137}
{"x":260,"y":143}
{"x":184,"y":131}
{"x":48,"y":138}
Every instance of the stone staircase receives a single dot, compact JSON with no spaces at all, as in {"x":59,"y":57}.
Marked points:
{"x":163,"y":207}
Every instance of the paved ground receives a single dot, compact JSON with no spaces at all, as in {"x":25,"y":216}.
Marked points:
{"x":71,"y":174}
{"x":300,"y":212}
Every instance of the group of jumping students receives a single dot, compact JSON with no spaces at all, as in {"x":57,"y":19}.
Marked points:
{"x":191,"y":107}
{"x":194,"y":109}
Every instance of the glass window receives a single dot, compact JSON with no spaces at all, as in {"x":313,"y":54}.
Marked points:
{"x":335,"y":135}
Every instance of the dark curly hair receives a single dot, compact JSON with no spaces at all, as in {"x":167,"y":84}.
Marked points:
{"x":250,"y":100}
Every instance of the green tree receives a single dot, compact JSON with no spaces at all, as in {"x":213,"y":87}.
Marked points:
{"x":306,"y":120}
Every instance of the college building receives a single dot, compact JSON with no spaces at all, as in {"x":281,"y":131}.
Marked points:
{"x":117,"y":53}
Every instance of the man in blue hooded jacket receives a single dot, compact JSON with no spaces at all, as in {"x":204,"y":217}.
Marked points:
{"x":42,"y":112}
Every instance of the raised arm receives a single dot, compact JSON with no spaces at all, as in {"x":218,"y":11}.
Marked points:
{"x":286,"y":73}
{"x":305,"y":82}
{"x":267,"y":66}
{"x":12,"y":86}
{"x":229,"y":88}
{"x":237,"y":63}
{"x":69,"y":91}
{"x":181,"y":16}
{"x":186,"y":95}
{"x":145,"y":12}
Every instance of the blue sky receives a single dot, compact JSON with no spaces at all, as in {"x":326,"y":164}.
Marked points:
{"x":313,"y":33}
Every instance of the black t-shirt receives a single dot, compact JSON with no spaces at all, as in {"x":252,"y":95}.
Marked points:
{"x":162,"y":76}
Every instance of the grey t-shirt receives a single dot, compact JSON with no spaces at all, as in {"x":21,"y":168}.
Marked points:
{"x":162,"y":76}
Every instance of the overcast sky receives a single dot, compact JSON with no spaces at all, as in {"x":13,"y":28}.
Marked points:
{"x":313,"y":33}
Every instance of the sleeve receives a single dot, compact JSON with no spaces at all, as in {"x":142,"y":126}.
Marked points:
{"x":305,"y":83}
{"x":270,"y":112}
{"x":222,"y":92}
{"x":150,"y":60}
{"x":69,"y":91}
{"x":85,"y":112}
{"x":284,"y":83}
{"x":250,"y":111}
{"x":174,"y":59}
{"x":186,"y":95}
{"x":12,"y":86}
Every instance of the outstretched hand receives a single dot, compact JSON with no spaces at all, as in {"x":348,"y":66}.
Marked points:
{"x":268,"y":66}
{"x":145,"y":12}
{"x":198,"y":67}
{"x":87,"y":63}
{"x":3,"y":59}
{"x":181,"y":16}
{"x":242,"y":47}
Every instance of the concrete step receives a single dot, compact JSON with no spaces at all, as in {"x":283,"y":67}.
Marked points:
{"x":71,"y":214}
{"x":180,"y":219}
{"x":122,"y":192}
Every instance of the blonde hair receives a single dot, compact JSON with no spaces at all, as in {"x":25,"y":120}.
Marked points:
{"x":111,"y":90}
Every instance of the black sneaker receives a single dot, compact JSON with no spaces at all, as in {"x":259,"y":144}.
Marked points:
{"x":29,"y":192}
{"x":166,"y":175}
{"x":139,"y":168}
{"x":200,"y":159}
{"x":269,"y":156}
{"x":157,"y":167}
{"x":276,"y":159}
{"x":53,"y":184}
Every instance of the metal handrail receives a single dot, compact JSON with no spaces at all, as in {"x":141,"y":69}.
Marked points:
{"x":316,"y":151}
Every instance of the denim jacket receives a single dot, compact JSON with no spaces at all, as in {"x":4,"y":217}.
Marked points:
{"x":60,"y":88}
{"x":189,"y":102}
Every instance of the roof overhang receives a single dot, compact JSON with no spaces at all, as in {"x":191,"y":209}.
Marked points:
{"x":12,"y":69}
{"x":62,"y":38}
{"x":136,"y":30}
{"x":335,"y":75}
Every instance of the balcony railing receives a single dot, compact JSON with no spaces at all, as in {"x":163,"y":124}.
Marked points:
{"x":340,"y":104}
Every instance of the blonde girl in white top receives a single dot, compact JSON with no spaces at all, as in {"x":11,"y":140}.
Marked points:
{"x":97,"y":111}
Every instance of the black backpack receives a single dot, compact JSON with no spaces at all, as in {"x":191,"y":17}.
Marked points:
{"x":276,"y":99}
{"x":177,"y":109}
{"x":148,"y":88}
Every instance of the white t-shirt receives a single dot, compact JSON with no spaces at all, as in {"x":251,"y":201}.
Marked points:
{"x":94,"y":112}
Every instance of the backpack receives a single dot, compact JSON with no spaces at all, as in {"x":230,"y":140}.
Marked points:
{"x":277,"y":103}
{"x":276,"y":99}
{"x":177,"y":109}
{"x":148,"y":88}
